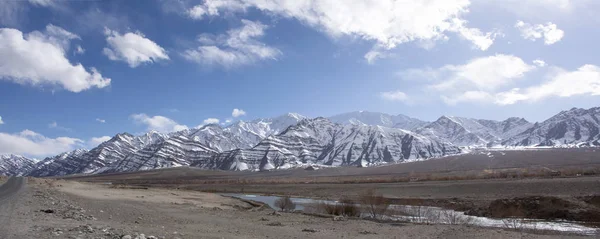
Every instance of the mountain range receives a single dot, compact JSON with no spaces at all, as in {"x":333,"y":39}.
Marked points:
{"x":358,"y":139}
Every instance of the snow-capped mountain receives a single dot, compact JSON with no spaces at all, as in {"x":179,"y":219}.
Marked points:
{"x":320,"y":141}
{"x":292,"y":140}
{"x":12,"y":164}
{"x":62,"y":164}
{"x":83,"y":161}
{"x":572,"y":127}
{"x":242,"y":135}
{"x":373,"y":118}
{"x":474,"y":132}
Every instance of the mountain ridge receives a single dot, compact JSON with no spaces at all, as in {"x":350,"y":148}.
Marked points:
{"x":293,"y":140}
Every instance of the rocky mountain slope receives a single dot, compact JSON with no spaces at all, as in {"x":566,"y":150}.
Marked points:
{"x":572,"y":127}
{"x":473,"y":132}
{"x":373,"y":118}
{"x":292,"y":140}
{"x":83,"y":161}
{"x":12,"y":164}
{"x":320,"y":141}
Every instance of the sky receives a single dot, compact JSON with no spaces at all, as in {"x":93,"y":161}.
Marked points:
{"x":75,"y":73}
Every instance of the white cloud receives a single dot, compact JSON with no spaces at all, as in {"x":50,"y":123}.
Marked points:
{"x":238,"y":47}
{"x":43,"y":3}
{"x":79,"y":50}
{"x":477,"y":80}
{"x":1,"y":122}
{"x":211,"y":8}
{"x":55,"y":125}
{"x":133,"y":48}
{"x":100,"y":120}
{"x":394,"y":96}
{"x":485,"y":73}
{"x":561,"y":83}
{"x":95,"y":141}
{"x":387,"y":22}
{"x":211,"y":121}
{"x":539,"y":62}
{"x":31,"y":143}
{"x":549,"y":32}
{"x":469,"y":96}
{"x":158,"y":123}
{"x":227,"y":121}
{"x":24,"y":60}
{"x":376,"y":54}
{"x":237,"y":113}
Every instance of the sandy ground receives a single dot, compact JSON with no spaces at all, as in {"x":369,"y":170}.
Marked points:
{"x":84,"y":210}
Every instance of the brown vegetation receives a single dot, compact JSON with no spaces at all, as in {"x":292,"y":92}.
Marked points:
{"x":285,"y":204}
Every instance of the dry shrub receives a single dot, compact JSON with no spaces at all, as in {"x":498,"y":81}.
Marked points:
{"x":375,"y":204}
{"x":285,"y":204}
{"x":344,"y":207}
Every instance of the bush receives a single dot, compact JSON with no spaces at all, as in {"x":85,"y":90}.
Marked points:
{"x":344,"y":207}
{"x":376,"y":205}
{"x":285,"y":204}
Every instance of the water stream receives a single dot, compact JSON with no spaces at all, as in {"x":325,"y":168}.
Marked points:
{"x":437,"y":215}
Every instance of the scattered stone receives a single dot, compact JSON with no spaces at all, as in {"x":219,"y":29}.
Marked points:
{"x":264,"y":219}
{"x":126,"y":237}
{"x":47,"y":210}
{"x":309,"y":230}
{"x":275,"y":224}
{"x":275,"y":213}
{"x":339,"y":218}
{"x":365,"y":232}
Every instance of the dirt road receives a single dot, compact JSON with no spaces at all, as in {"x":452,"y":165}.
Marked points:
{"x":10,"y":193}
{"x":66,"y":209}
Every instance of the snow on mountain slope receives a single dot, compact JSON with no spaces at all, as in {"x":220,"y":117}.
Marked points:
{"x":172,"y":152}
{"x":474,"y":132}
{"x":243,"y":135}
{"x":381,"y":119}
{"x":572,"y":127}
{"x":78,"y":161}
{"x":12,"y":164}
{"x":62,"y":164}
{"x":320,"y":141}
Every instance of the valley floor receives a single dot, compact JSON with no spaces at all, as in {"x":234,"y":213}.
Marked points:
{"x":68,"y":209}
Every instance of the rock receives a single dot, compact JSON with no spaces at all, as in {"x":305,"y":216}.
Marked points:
{"x":47,"y":210}
{"x":275,"y":213}
{"x":264,"y":219}
{"x":126,"y":237}
{"x":309,"y":230}
{"x":339,"y":218}
{"x":275,"y":224}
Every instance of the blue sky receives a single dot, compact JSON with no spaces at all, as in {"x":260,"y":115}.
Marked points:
{"x":73,"y":73}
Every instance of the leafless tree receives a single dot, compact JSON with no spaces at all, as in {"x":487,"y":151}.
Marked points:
{"x":285,"y":204}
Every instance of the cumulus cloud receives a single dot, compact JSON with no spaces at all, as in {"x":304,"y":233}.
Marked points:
{"x":158,"y":123}
{"x":24,"y":60}
{"x":394,"y":96}
{"x":211,"y":121}
{"x":485,"y":73}
{"x":561,"y":83}
{"x":386,"y":22}
{"x":31,"y":143}
{"x":1,"y":122}
{"x":238,"y":47}
{"x":55,"y":125}
{"x":95,"y":141}
{"x":237,"y":113}
{"x":473,"y":81}
{"x":549,"y":32}
{"x":100,"y":120}
{"x":133,"y":48}
{"x":539,"y":62}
